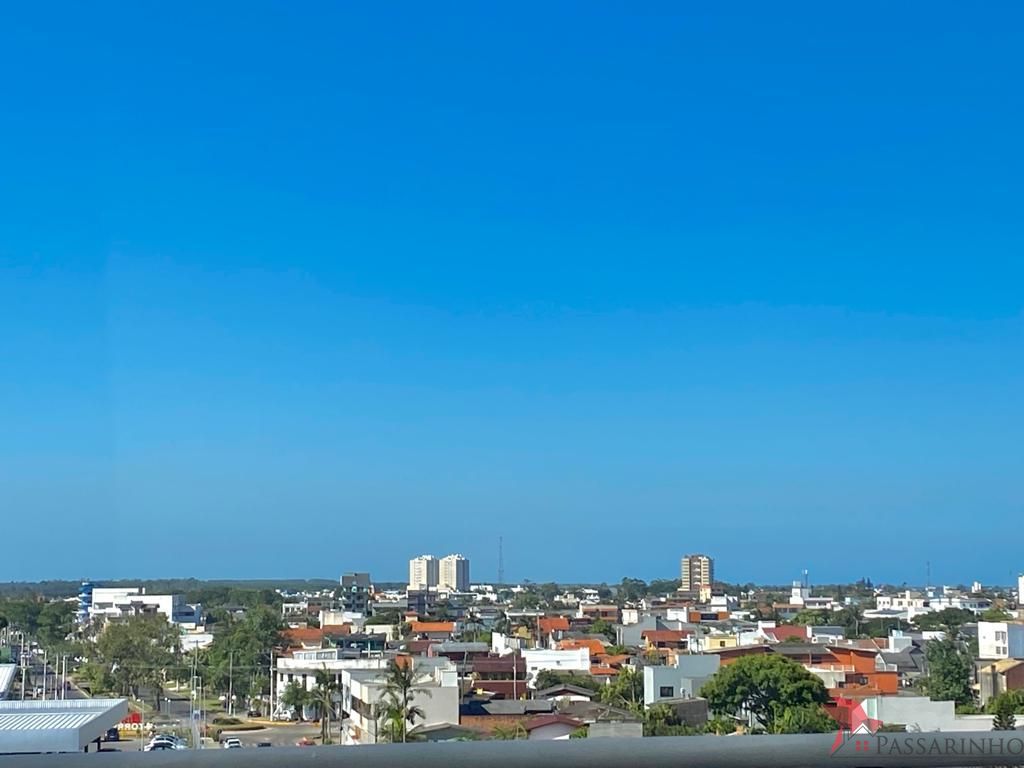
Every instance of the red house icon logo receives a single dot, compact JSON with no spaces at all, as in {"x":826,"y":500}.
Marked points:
{"x":861,"y":724}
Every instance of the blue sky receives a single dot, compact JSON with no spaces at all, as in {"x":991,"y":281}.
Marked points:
{"x":290,"y":291}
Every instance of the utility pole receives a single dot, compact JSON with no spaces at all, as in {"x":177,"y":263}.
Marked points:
{"x":231,"y":683}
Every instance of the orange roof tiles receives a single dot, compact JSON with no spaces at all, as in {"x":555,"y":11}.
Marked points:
{"x":432,"y":626}
{"x":301,"y":635}
{"x":553,"y":624}
{"x":596,"y":647}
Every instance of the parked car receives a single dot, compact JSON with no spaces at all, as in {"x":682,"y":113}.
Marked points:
{"x":264,"y":744}
{"x":232,"y":743}
{"x":305,"y":743}
{"x":112,"y":735}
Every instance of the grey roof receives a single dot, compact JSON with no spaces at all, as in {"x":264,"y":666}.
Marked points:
{"x":906,"y":661}
{"x":567,"y":688}
{"x":800,"y":649}
{"x":451,"y":646}
{"x":593,"y":711}
{"x":56,"y":726}
{"x":827,"y":630}
{"x":515,"y":707}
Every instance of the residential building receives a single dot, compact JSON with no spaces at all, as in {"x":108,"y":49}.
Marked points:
{"x":432,"y":630}
{"x":696,"y":575}
{"x":355,"y":593}
{"x":364,"y":691}
{"x":575,"y":660}
{"x":453,"y":573}
{"x":999,"y":677}
{"x":554,"y":726}
{"x":682,"y":680}
{"x":1000,"y":640}
{"x":424,"y":572}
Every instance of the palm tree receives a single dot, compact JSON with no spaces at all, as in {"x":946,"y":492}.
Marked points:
{"x":399,"y":690}
{"x":323,"y":696}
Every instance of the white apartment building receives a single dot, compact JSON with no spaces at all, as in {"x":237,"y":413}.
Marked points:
{"x":126,"y":602}
{"x":363,"y":694}
{"x":424,"y":572}
{"x":453,"y":573}
{"x":1000,"y":640}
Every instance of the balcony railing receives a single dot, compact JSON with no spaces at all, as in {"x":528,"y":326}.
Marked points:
{"x":884,"y":750}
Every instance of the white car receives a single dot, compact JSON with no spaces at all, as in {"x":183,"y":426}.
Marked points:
{"x":232,"y":743}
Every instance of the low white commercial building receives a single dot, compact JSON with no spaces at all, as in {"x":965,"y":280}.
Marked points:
{"x":126,"y":602}
{"x":28,"y":727}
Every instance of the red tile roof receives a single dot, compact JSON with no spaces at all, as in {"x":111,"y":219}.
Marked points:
{"x":665,"y":635}
{"x":541,"y":720}
{"x":787,"y":632}
{"x":596,"y":670}
{"x":550,"y":624}
{"x":302,"y":635}
{"x":595,"y":646}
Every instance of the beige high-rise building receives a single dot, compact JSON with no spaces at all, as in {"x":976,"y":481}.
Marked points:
{"x":454,"y":573}
{"x":423,"y":572}
{"x":696,"y":575}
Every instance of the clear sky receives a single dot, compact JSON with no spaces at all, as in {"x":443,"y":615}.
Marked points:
{"x":291,"y":289}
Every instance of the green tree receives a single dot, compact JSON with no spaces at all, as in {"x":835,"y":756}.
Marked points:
{"x":242,"y":651}
{"x":804,"y":719}
{"x":662,"y":586}
{"x":949,"y":672}
{"x":54,"y":623}
{"x":995,"y":614}
{"x":602,"y":627}
{"x":765,"y":685}
{"x":548,"y":678}
{"x":627,"y":690}
{"x":811,"y":618}
{"x":1003,"y":708}
{"x":136,"y":652}
{"x":948,"y":619}
{"x":400,"y":691}
{"x":296,"y":697}
{"x":22,"y":613}
{"x":631,"y":590}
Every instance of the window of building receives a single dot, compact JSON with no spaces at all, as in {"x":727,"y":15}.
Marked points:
{"x":666,"y":691}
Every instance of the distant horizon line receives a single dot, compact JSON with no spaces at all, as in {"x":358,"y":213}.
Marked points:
{"x":582,"y":583}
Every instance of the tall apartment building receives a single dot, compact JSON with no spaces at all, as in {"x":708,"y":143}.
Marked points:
{"x":454,"y":573}
{"x":696,"y":575}
{"x":355,"y":592}
{"x":423,"y":572}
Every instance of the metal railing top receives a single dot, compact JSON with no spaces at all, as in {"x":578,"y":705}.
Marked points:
{"x":884,"y":750}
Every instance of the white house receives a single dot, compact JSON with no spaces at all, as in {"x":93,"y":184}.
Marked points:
{"x":363,"y":693}
{"x":537,"y":659}
{"x":680,"y":681}
{"x":1000,"y":640}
